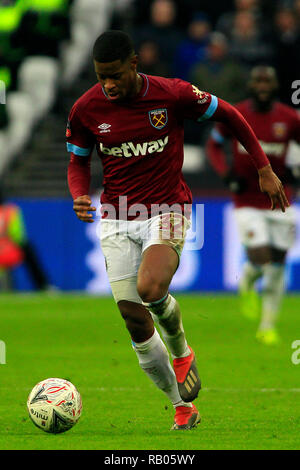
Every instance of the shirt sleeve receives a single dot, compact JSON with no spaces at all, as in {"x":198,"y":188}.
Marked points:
{"x":241,"y":130}
{"x":80,"y":141}
{"x":193,"y":103}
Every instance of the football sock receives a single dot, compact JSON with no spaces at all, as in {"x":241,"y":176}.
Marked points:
{"x":167,"y":313}
{"x":250,"y":273}
{"x":153,"y":358}
{"x":273,"y":289}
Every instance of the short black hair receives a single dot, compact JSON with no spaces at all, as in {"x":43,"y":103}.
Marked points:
{"x":113,"y":45}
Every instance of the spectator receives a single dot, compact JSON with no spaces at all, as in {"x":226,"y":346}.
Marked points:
{"x":3,"y":117}
{"x":248,"y":43}
{"x":15,"y":248}
{"x":5,"y":79}
{"x":297,"y":11}
{"x":193,"y":49}
{"x":11,"y":53}
{"x":219,"y":74}
{"x":44,"y":26}
{"x":187,"y":9}
{"x":225,"y":23}
{"x":149,"y":60}
{"x":287,"y":46}
{"x":161,"y":29}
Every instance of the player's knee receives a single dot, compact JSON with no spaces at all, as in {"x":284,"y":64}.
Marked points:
{"x":152,"y":290}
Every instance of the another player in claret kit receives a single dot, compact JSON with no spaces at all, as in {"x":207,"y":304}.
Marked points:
{"x":136,"y":124}
{"x":267,"y":235}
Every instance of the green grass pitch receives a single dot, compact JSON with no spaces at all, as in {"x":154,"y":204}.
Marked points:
{"x":250,"y":396}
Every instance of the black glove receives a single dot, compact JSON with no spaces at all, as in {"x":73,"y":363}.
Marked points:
{"x":235,"y":183}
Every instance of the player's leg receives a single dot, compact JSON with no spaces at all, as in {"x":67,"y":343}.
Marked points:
{"x":156,"y":271}
{"x":159,"y":263}
{"x":272,"y":293}
{"x":254,"y":236}
{"x":6,"y":281}
{"x":282,"y":231}
{"x":151,"y":352}
{"x":122,"y":259}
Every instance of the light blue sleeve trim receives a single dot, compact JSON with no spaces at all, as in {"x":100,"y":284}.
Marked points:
{"x":81,"y":152}
{"x":210,"y":110}
{"x":215,"y":134}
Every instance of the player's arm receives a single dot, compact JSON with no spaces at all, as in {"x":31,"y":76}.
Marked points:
{"x":218,"y":159}
{"x":79,"y":176}
{"x":80,"y":143}
{"x":201,"y":106}
{"x":238,"y":126}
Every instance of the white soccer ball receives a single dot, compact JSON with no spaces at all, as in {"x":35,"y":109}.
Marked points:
{"x":54,"y":405}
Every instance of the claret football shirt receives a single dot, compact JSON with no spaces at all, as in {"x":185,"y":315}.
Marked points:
{"x":275,"y":129}
{"x":140,"y":141}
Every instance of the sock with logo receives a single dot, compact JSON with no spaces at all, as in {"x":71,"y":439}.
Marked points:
{"x":153,"y":358}
{"x":167,"y":313}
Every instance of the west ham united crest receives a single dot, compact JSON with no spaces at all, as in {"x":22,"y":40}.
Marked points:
{"x":158,"y":118}
{"x":279,"y":129}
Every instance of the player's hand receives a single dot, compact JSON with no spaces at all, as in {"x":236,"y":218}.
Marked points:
{"x":271,"y":184}
{"x":82,"y":206}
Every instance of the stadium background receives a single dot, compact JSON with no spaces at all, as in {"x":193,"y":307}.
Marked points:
{"x":45,"y":63}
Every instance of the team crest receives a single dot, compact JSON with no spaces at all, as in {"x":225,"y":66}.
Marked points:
{"x":279,"y":129}
{"x":200,"y":94}
{"x":158,"y":118}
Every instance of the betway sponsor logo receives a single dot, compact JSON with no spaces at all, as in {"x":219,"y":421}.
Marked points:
{"x":129,"y":149}
{"x":270,"y":148}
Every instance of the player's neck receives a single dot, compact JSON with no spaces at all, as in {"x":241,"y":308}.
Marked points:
{"x":139,"y":83}
{"x":262,"y":107}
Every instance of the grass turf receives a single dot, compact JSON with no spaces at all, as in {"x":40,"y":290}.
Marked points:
{"x":250,"y":396}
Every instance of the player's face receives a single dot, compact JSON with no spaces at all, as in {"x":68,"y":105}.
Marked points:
{"x":118,"y":79}
{"x":263,"y":86}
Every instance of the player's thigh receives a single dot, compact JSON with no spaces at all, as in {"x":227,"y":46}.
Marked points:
{"x":122,"y":254}
{"x":260,"y":255}
{"x":159,"y":263}
{"x":253,"y":227}
{"x":162,"y":248}
{"x":278,"y":256}
{"x":282,"y":228}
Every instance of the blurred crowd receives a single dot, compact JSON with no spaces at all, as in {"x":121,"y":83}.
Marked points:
{"x":29,"y":28}
{"x":211,"y":44}
{"x":44,"y":46}
{"x":214,"y":44}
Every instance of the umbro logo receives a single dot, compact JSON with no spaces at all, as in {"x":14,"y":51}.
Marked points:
{"x":104,"y":127}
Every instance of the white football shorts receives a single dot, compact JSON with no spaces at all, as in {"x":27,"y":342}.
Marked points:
{"x":263,"y":227}
{"x":124,"y":241}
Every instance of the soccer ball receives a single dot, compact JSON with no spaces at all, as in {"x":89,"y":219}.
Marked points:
{"x":54,"y":405}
